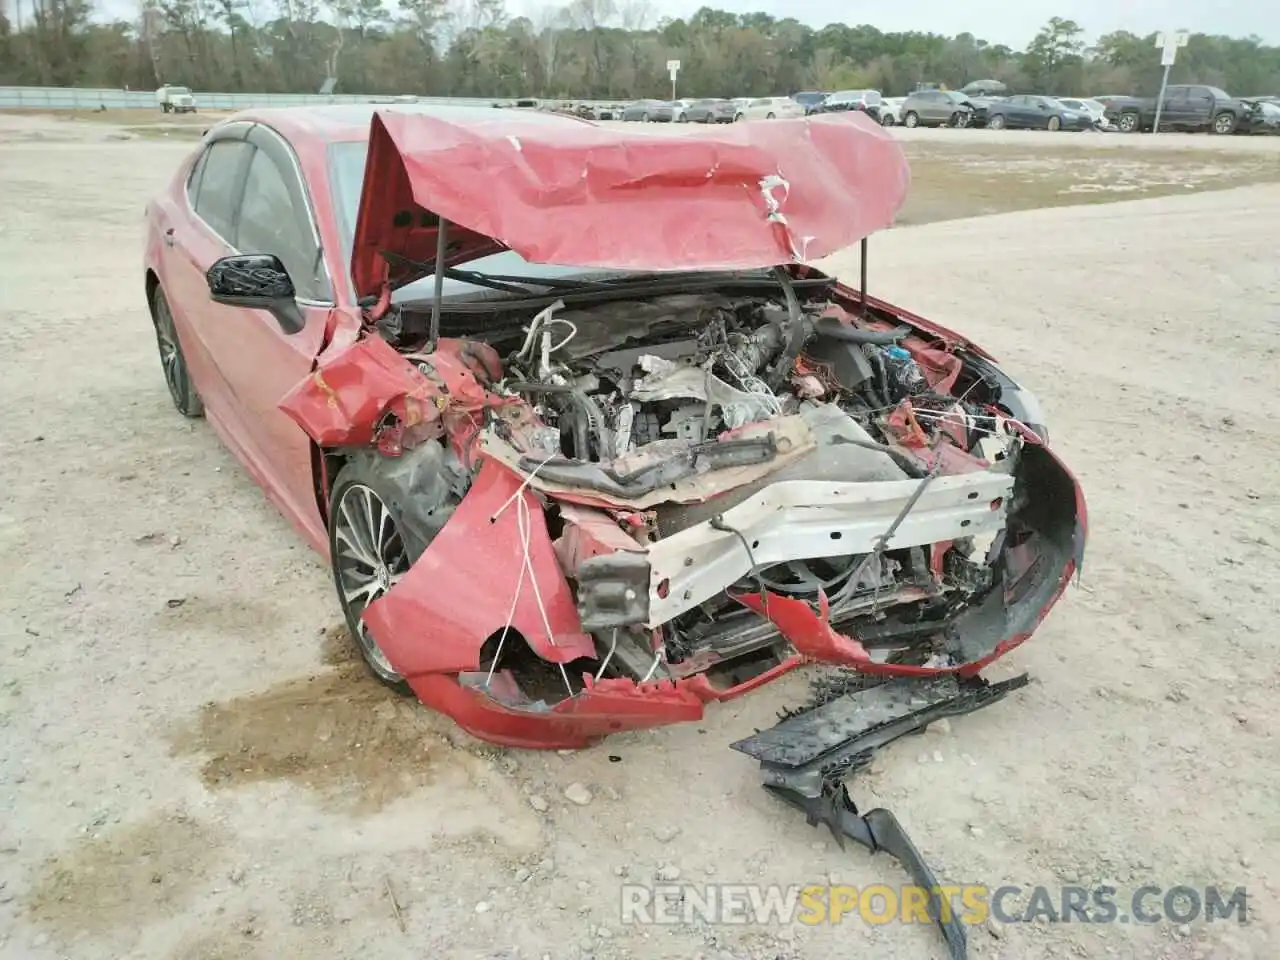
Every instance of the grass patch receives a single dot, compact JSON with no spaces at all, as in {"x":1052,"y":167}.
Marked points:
{"x":964,"y":181}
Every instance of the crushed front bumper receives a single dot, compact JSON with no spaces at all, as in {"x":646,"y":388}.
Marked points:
{"x":801,"y":519}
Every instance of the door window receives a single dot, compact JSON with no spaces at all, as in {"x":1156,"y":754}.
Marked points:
{"x":272,"y":222}
{"x":219,"y":173}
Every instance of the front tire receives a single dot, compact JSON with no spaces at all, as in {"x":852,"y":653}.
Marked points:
{"x":174,"y":364}
{"x":771,"y":116}
{"x":1128,"y":123}
{"x":644,"y":118}
{"x":886,"y":120}
{"x":996,"y":122}
{"x":1223,"y":124}
{"x":1055,"y":123}
{"x":911,"y":120}
{"x":737,"y":117}
{"x":369,"y":552}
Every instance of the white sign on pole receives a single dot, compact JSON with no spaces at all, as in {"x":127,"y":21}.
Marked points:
{"x":673,"y":67}
{"x":1169,"y":44}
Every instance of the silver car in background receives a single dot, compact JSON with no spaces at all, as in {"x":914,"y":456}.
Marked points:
{"x":1095,"y":109}
{"x":646,"y":111}
{"x":771,"y":108}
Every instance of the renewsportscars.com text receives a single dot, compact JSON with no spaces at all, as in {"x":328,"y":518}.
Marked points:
{"x":973,"y":904}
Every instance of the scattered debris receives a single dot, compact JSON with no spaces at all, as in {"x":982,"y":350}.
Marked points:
{"x":577,"y":793}
{"x":395,"y":904}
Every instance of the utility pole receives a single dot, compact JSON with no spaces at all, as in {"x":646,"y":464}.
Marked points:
{"x":673,"y":67}
{"x":1168,"y":44}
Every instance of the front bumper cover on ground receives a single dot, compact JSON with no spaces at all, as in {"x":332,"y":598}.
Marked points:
{"x":805,"y":758}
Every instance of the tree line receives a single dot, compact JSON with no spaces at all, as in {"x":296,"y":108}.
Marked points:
{"x":606,"y":49}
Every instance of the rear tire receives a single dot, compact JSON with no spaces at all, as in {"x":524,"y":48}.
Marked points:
{"x":771,"y":116}
{"x":911,"y":120}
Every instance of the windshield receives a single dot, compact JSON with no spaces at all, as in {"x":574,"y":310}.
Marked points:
{"x":346,"y":177}
{"x":1219,"y":94}
{"x":180,"y":91}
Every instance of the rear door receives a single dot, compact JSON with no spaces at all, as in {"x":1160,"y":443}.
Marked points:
{"x":1199,"y":107}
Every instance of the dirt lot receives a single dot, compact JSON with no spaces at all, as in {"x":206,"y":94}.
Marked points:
{"x":192,"y":766}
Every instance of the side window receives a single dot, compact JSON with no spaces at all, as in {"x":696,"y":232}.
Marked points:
{"x":216,"y":199}
{"x":193,"y":181}
{"x":271,"y":221}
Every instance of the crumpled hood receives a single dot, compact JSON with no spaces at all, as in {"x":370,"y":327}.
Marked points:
{"x":560,"y":190}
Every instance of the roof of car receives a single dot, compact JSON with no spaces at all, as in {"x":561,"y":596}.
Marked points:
{"x":333,"y":123}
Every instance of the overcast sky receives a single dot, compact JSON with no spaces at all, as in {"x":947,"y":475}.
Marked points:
{"x":996,"y":21}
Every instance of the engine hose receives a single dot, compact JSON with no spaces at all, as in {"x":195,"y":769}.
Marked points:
{"x":833,"y":328}
{"x":593,"y":418}
{"x":881,"y":391}
{"x":528,"y":386}
{"x":797,"y":335}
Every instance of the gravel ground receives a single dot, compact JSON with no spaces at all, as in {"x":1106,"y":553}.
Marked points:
{"x":192,"y":766}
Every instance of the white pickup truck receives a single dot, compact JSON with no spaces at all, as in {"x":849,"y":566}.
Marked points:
{"x":176,"y":99}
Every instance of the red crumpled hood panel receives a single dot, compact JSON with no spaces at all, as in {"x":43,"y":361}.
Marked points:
{"x":569,"y":192}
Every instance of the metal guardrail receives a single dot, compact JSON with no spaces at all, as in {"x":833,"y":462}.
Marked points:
{"x":91,"y":98}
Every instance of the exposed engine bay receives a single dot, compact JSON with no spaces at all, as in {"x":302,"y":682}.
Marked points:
{"x":667,"y":415}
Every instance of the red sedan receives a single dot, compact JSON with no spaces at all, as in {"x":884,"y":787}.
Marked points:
{"x":587,"y":443}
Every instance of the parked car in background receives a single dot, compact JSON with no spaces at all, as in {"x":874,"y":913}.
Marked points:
{"x":937,"y":108}
{"x":1187,"y":106}
{"x":648,"y":110}
{"x":172,"y":99}
{"x":984,"y":88}
{"x":680,"y":110}
{"x":867,"y":101}
{"x":809,"y":98}
{"x":712,"y":111}
{"x":771,"y":108}
{"x":1030,"y":112}
{"x":1096,"y":109}
{"x":891,"y":111}
{"x":1264,"y":115}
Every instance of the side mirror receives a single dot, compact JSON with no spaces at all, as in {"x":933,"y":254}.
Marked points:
{"x":256,"y":281}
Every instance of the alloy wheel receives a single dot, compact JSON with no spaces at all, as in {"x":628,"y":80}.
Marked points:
{"x":369,"y":558}
{"x":174,"y":365}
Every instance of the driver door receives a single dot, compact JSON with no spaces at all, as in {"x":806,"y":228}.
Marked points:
{"x":260,"y":356}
